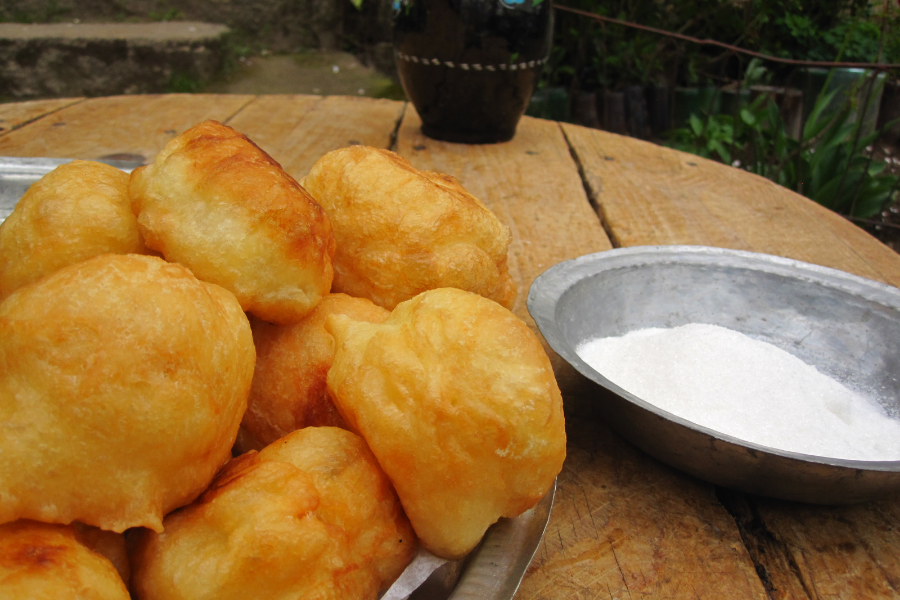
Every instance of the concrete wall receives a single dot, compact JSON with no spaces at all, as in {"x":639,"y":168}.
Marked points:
{"x":278,"y":25}
{"x":47,"y":65}
{"x":88,"y":59}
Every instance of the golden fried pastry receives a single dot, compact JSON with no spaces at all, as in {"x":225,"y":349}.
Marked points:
{"x":123,"y":385}
{"x":108,"y":544}
{"x":457,"y":400}
{"x":289,"y":390}
{"x":48,"y":562}
{"x":356,"y":495}
{"x":77,"y":211}
{"x":401,"y":231}
{"x":216,"y":203}
{"x":311,"y":516}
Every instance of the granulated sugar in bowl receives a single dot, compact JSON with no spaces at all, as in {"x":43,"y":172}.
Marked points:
{"x":746,"y":388}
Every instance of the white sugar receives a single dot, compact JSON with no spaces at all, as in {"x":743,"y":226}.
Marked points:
{"x":752,"y":390}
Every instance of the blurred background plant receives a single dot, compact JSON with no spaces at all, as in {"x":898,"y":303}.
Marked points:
{"x":818,"y":29}
{"x":810,"y":130}
{"x":832,"y":162}
{"x":588,"y":54}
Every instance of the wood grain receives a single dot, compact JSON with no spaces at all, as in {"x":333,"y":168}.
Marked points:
{"x":649,"y":195}
{"x":806,"y":552}
{"x":626,"y":526}
{"x":135,"y":127}
{"x":848,"y":552}
{"x":297,"y":130}
{"x":16,"y":114}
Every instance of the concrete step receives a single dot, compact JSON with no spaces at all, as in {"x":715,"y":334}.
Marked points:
{"x":98,"y":59}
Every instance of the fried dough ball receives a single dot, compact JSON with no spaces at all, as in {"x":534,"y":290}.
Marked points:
{"x":48,"y":562}
{"x":401,"y":231}
{"x":311,"y":516}
{"x":457,"y":400}
{"x":289,"y":390}
{"x":108,"y":544}
{"x":216,"y":203}
{"x":356,"y":495}
{"x":123,"y":385}
{"x":75,"y":212}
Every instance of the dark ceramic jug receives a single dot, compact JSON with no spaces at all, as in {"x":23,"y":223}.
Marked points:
{"x":470,"y":66}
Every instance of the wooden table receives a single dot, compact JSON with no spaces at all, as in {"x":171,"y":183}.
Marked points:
{"x":624,"y":525}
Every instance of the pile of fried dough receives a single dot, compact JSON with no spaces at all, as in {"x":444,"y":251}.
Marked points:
{"x":216,"y":382}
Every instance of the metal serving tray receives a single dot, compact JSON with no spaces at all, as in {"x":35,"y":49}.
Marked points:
{"x":17,"y":174}
{"x":846,"y":326}
{"x":493,"y":571}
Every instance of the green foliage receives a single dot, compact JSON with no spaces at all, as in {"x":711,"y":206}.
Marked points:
{"x":49,"y":12}
{"x":166,"y":14}
{"x":590,"y":55}
{"x":797,"y":35}
{"x":828,"y":164}
{"x":183,"y":83}
{"x":237,"y":46}
{"x":892,"y":39}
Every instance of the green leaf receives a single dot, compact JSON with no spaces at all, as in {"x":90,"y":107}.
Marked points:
{"x":825,"y":194}
{"x":357,"y":4}
{"x":876,"y":168}
{"x":838,"y":193}
{"x":747,"y":117}
{"x":696,"y":124}
{"x":772,"y":115}
{"x":837,"y":133}
{"x":873,"y":196}
{"x":867,"y":140}
{"x":721,"y":151}
{"x":815,"y":123}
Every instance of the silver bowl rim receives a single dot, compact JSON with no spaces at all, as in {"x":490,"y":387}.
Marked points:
{"x":552,"y":285}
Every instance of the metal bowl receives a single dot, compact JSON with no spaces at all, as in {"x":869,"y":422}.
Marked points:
{"x":846,"y":326}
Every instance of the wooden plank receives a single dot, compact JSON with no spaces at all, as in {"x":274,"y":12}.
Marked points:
{"x":627,"y":526}
{"x":15,"y":114}
{"x":297,"y":130}
{"x":135,"y":127}
{"x":808,"y":552}
{"x":624,"y":525}
{"x":650,"y":195}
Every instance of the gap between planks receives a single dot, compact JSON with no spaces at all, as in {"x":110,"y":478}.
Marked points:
{"x":591,"y":196}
